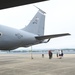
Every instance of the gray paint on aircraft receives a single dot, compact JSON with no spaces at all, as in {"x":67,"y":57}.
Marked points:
{"x":11,"y":38}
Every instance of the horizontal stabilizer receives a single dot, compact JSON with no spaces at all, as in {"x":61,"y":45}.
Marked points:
{"x":51,"y":36}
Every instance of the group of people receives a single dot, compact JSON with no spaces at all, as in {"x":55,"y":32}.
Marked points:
{"x":59,"y":54}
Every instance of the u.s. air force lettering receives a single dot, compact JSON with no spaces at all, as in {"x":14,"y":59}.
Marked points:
{"x":18,"y":35}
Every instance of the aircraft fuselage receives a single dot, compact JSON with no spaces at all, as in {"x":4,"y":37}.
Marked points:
{"x":11,"y":38}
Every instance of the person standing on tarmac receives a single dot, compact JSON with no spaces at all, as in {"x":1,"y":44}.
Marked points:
{"x":60,"y":54}
{"x":50,"y":54}
{"x":57,"y":54}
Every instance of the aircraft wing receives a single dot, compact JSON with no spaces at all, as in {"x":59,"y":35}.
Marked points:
{"x":13,"y":3}
{"x":51,"y":36}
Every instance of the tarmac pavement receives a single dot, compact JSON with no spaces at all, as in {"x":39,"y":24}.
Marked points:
{"x":22,"y":64}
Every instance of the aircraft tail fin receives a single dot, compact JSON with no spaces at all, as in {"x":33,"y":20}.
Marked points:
{"x":36,"y":25}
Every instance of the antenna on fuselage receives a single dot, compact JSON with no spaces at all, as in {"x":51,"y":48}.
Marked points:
{"x":40,"y":10}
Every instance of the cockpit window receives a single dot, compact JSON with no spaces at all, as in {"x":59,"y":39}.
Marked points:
{"x":0,"y":34}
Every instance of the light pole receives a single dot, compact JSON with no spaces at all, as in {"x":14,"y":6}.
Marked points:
{"x":31,"y":53}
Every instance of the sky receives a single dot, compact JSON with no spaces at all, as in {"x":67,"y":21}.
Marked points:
{"x":60,"y":18}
